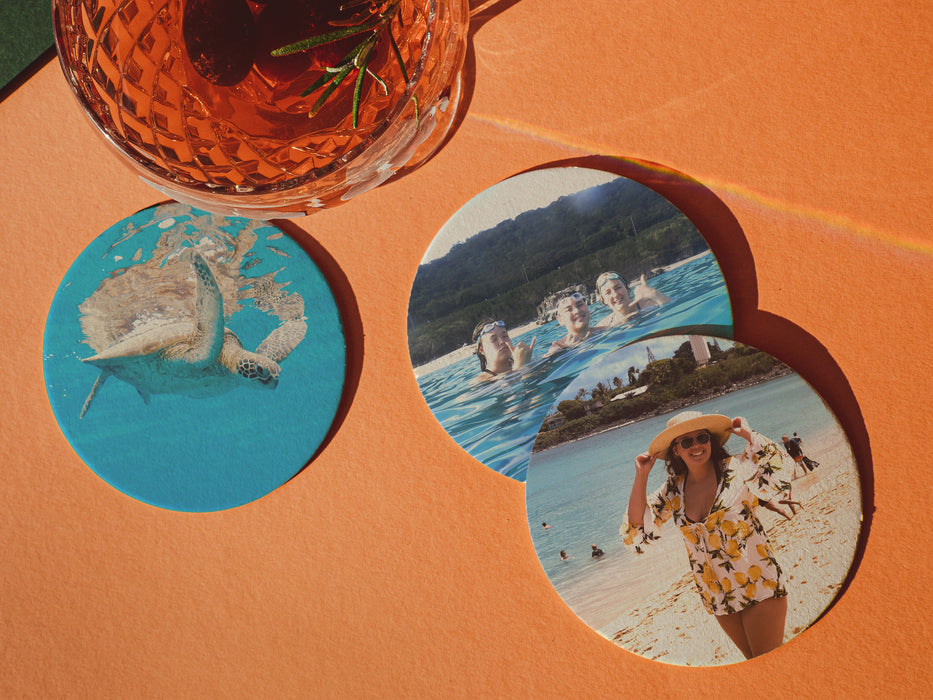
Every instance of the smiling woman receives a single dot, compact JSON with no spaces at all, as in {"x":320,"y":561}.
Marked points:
{"x":712,"y":497}
{"x":574,"y":315}
{"x":613,"y":291}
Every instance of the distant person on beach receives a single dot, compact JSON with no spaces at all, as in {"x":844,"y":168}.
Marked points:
{"x":574,"y":315}
{"x":793,"y":448}
{"x":497,"y":353}
{"x":613,"y":291}
{"x":597,"y":552}
{"x":712,"y":497}
{"x":811,"y":464}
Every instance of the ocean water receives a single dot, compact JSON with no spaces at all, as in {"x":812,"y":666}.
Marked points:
{"x":496,"y":422}
{"x":179,"y":452}
{"x":581,"y":490}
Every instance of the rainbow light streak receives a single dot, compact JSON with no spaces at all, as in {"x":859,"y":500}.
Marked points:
{"x":900,"y":240}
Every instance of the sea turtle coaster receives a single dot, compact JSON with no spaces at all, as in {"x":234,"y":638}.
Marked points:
{"x":194,"y":362}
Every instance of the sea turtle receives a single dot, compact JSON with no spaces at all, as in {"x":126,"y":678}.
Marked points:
{"x":194,"y":356}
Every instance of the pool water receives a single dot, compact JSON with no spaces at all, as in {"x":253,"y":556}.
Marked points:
{"x":496,"y":422}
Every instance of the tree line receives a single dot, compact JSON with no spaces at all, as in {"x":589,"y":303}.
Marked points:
{"x":671,"y":384}
{"x":504,"y":272}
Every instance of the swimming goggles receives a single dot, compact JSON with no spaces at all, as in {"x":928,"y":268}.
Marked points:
{"x":576,"y":296}
{"x":491,"y":325}
{"x":687,"y":442}
{"x":603,"y":278}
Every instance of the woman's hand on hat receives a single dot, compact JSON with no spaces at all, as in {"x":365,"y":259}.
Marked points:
{"x":741,"y":428}
{"x":643,"y":463}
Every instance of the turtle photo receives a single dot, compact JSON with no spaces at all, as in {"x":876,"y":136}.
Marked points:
{"x":156,"y":333}
{"x":192,"y":355}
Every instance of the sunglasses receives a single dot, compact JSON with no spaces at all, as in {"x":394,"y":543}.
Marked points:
{"x":492,"y":325}
{"x":687,"y":442}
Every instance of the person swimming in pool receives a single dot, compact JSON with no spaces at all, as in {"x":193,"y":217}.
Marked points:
{"x":574,"y":315}
{"x":613,"y":291}
{"x":497,"y":353}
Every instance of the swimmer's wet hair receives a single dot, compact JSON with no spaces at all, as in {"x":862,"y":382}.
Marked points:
{"x":478,"y":339}
{"x":608,"y":275}
{"x":478,"y":331}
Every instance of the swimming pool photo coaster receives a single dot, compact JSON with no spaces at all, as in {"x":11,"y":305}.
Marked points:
{"x":532,"y":279}
{"x":194,"y":362}
{"x":693,"y":500}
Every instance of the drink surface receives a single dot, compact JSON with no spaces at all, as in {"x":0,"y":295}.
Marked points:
{"x":128,"y":63}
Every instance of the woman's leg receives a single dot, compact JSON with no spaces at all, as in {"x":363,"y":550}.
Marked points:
{"x":770,"y":506}
{"x":764,"y":625}
{"x":788,"y":502}
{"x":732,"y":625}
{"x":756,"y":629}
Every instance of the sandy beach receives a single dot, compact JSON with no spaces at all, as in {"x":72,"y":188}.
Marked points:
{"x":814,"y":548}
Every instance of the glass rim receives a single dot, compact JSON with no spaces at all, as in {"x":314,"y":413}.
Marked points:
{"x":163,"y":179}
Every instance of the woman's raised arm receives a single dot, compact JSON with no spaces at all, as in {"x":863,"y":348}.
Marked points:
{"x":638,"y":500}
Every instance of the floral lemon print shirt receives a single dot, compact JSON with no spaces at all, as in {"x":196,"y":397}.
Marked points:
{"x":732,"y":561}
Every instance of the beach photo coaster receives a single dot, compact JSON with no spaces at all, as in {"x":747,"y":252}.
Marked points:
{"x":694,"y":500}
{"x":195,"y":362}
{"x":535,"y":277}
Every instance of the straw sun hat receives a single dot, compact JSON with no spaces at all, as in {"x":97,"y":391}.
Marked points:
{"x":687,"y":422}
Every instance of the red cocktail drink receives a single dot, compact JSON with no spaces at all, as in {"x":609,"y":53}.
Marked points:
{"x":189,"y":93}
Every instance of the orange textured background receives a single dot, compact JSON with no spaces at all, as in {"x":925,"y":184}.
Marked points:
{"x":397,"y":565}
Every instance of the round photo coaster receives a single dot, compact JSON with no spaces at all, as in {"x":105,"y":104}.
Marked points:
{"x":195,"y":362}
{"x":694,"y":500}
{"x":535,"y":277}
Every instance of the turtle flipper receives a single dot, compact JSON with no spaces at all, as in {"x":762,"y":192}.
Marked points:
{"x":98,"y":383}
{"x":209,"y":316}
{"x":283,"y":340}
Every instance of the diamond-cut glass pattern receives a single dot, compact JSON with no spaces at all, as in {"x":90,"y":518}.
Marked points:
{"x":127,"y":63}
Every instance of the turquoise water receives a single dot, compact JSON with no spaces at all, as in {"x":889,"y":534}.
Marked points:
{"x":582,"y":489}
{"x":496,"y":422}
{"x":198,"y":454}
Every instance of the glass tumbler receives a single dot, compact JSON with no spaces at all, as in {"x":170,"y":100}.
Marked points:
{"x":190,"y":94}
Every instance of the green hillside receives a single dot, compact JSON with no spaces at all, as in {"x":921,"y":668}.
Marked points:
{"x":506,"y":271}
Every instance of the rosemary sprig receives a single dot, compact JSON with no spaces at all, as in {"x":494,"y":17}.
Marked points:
{"x":371,"y":26}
